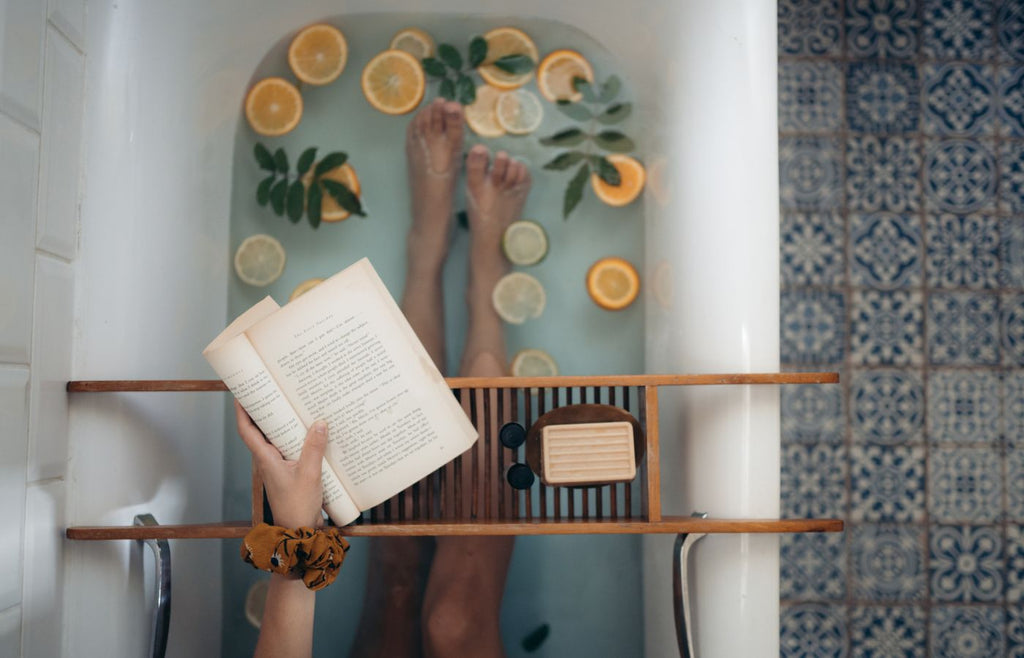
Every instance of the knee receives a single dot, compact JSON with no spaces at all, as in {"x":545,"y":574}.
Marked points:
{"x":449,"y":627}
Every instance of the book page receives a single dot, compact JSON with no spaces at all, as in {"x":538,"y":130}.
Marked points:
{"x":242,"y":370}
{"x":345,"y":353}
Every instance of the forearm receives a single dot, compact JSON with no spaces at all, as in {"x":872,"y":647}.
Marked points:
{"x":287,"y":627}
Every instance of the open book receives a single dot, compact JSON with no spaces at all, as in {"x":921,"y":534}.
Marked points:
{"x":344,"y":352}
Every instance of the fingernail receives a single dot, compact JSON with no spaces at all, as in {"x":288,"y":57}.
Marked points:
{"x":320,"y":427}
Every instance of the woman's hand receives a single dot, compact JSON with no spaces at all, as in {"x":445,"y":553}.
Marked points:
{"x":293,"y":487}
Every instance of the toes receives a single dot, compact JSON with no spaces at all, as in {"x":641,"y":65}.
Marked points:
{"x":436,"y":110}
{"x":518,"y":174}
{"x":476,"y":165}
{"x":500,"y":168}
{"x":453,"y":118}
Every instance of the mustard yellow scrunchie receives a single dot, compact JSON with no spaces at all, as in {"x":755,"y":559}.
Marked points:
{"x":314,"y":554}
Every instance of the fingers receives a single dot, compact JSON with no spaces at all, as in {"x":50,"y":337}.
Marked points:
{"x":313,"y":449}
{"x":253,"y":437}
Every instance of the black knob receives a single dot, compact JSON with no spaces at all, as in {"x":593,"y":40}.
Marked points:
{"x":512,"y":435}
{"x":519,"y":476}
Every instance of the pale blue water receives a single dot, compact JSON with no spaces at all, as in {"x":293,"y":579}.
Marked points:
{"x":586,"y":588}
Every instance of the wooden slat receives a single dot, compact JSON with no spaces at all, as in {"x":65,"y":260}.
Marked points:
{"x":653,"y":459}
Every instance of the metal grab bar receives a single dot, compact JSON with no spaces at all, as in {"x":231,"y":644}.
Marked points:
{"x":162,"y":608}
{"x":681,"y":588}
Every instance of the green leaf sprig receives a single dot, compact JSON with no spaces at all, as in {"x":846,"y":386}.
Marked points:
{"x":454,"y":71}
{"x":289,"y":196}
{"x":593,"y":113}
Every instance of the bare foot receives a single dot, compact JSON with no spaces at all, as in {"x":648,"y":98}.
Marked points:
{"x":433,"y":148}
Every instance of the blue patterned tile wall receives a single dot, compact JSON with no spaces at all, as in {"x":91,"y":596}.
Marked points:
{"x":901,"y":153}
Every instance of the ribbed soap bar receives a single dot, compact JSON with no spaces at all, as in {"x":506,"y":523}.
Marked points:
{"x":587,"y":453}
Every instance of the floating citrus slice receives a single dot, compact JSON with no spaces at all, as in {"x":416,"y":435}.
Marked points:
{"x":525,"y":242}
{"x":393,"y":82}
{"x":518,"y":297}
{"x":414,"y":41}
{"x":613,"y":283}
{"x":633,"y":176}
{"x":556,"y":73}
{"x":259,"y":260}
{"x":318,"y":53}
{"x":519,"y":111}
{"x":304,"y":287}
{"x":482,"y":114}
{"x":273,"y":107}
{"x":501,"y":42}
{"x":330,"y":209}
{"x":532,"y":362}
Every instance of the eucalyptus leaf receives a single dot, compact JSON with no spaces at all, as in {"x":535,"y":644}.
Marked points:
{"x":306,"y":160}
{"x":613,"y":140}
{"x":610,"y":89}
{"x":583,"y":86}
{"x":263,"y":190}
{"x":465,"y":90}
{"x":450,"y":55}
{"x":515,"y":64}
{"x":294,"y":200}
{"x":567,"y":137}
{"x":281,"y":161}
{"x":564,"y":160}
{"x":277,"y":193}
{"x":263,"y":157}
{"x":606,"y":170}
{"x":574,"y":191}
{"x":615,"y":113}
{"x":330,"y":161}
{"x":447,"y":89}
{"x":344,"y":196}
{"x":576,"y":111}
{"x":477,"y":51}
{"x":434,"y":67}
{"x":314,"y":202}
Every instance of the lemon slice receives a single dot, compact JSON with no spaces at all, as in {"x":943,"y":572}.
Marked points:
{"x":317,"y":55}
{"x":532,"y":362}
{"x":613,"y":283}
{"x":414,"y":41}
{"x":525,"y":242}
{"x":259,"y":260}
{"x":273,"y":107}
{"x":519,"y":111}
{"x":304,"y":287}
{"x":393,"y":82}
{"x":518,"y":297}
{"x":482,"y":114}
{"x":256,"y":602}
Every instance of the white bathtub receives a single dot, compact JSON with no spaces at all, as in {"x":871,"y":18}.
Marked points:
{"x":164,"y":83}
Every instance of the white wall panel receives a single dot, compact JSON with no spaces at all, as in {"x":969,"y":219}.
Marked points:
{"x":21,"y":58}
{"x":13,"y":461}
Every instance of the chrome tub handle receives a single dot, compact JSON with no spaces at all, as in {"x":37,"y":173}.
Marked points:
{"x":681,"y":588}
{"x":162,"y":608}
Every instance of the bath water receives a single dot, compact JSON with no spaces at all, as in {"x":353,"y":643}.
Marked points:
{"x":587,"y":589}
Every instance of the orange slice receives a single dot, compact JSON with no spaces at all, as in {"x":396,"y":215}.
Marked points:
{"x":414,"y":41}
{"x":613,"y":283}
{"x":504,"y":41}
{"x":393,"y":82}
{"x":273,"y":107}
{"x":330,"y":211}
{"x":633,"y":178}
{"x":556,"y":73}
{"x":304,"y":287}
{"x":482,"y":114}
{"x":318,"y":54}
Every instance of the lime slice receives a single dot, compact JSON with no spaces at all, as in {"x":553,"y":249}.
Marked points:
{"x":517,"y":297}
{"x":256,"y":601}
{"x":532,"y":362}
{"x":519,"y":111}
{"x":525,"y":242}
{"x":259,"y":260}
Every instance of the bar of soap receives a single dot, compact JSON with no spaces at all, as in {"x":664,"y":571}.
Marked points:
{"x":578,"y":454}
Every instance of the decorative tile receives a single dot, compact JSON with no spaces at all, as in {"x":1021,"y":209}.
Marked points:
{"x":887,"y":407}
{"x":882,"y":632}
{"x":1013,"y":329}
{"x":965,"y":485}
{"x":1015,"y":483}
{"x":963,"y":328}
{"x":810,"y":96}
{"x":811,"y":246}
{"x":809,"y":173}
{"x":811,"y":566}
{"x":813,"y":481}
{"x":812,"y":414}
{"x":812,"y":326}
{"x":1011,"y":177}
{"x":963,"y":252}
{"x":882,"y":174}
{"x":1013,"y":408}
{"x":888,"y":562}
{"x":1011,"y":252}
{"x":886,"y":483}
{"x":809,"y":27}
{"x":881,"y":28}
{"x":1010,"y":29}
{"x":886,"y":328}
{"x":958,"y":99}
{"x":963,"y":406}
{"x":882,"y":97}
{"x":1015,"y":567}
{"x":967,"y":631}
{"x":885,"y":250}
{"x":1015,"y":632}
{"x":957,"y":29}
{"x":959,"y":175}
{"x":811,"y":630}
{"x":1011,"y":101}
{"x":966,"y":564}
